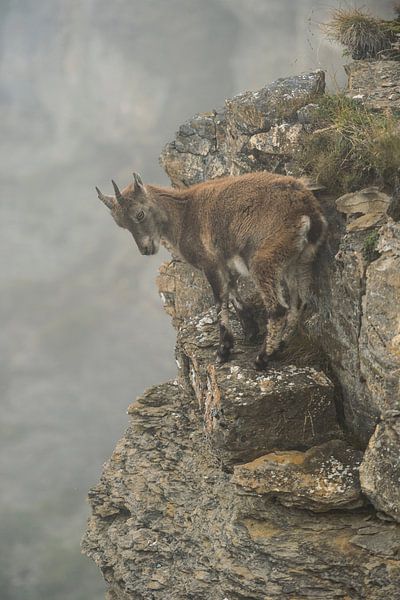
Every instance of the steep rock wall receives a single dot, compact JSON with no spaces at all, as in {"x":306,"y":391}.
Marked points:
{"x":224,"y":484}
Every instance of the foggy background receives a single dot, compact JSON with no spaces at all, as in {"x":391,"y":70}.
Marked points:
{"x":91,"y":90}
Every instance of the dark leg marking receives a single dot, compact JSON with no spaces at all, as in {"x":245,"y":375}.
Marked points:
{"x":221,"y":295}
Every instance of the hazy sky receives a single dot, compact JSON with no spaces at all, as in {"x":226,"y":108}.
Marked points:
{"x":89,"y":91}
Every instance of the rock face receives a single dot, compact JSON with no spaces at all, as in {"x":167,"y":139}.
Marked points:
{"x":224,"y":484}
{"x":169,"y":523}
{"x":375,"y":82}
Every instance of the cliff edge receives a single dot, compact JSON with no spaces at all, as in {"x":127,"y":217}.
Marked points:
{"x":231,"y":484}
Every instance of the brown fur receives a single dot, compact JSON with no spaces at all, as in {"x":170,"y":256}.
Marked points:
{"x":266,"y":223}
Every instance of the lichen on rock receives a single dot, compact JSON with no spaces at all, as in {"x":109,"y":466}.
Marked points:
{"x":320,"y":479}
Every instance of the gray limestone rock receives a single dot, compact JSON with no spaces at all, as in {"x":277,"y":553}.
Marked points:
{"x":246,"y":413}
{"x":255,"y":130}
{"x":253,"y":112}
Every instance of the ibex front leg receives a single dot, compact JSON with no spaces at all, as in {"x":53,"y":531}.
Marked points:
{"x":220,"y":287}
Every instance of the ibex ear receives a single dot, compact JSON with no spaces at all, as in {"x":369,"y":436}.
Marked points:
{"x":138,"y":182}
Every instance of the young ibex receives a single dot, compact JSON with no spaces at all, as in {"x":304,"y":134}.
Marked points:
{"x":263,"y":225}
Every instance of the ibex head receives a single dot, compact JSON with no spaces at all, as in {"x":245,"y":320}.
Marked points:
{"x":132,"y":209}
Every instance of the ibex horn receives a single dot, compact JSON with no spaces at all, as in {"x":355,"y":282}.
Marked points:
{"x":118,"y":194}
{"x":108,"y":200}
{"x":138,"y":180}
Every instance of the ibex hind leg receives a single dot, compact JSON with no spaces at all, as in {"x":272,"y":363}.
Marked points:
{"x":298,"y":280}
{"x":267,"y":271}
{"x":245,"y":313}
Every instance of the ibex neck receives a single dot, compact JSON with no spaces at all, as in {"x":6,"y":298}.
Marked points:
{"x":170,"y":206}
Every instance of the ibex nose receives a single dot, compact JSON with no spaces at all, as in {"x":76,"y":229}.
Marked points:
{"x":147,"y":246}
{"x":147,"y":249}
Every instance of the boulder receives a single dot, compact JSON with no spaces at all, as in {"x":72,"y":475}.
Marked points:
{"x":380,"y":468}
{"x":247,"y":413}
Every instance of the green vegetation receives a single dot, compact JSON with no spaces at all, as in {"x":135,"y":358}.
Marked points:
{"x":352,"y":147}
{"x":363,"y":35}
{"x":369,"y":249}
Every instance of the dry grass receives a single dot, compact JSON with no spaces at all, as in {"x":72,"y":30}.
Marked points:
{"x":352,"y":146}
{"x":363,"y":35}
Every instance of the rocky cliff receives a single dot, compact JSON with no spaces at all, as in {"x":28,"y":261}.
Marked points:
{"x":231,"y":484}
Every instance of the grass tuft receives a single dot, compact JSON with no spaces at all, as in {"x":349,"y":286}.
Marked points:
{"x":370,"y":252}
{"x":352,"y":147}
{"x":363,"y":35}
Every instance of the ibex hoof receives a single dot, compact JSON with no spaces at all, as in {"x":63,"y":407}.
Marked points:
{"x":223,"y":356}
{"x":261,"y":362}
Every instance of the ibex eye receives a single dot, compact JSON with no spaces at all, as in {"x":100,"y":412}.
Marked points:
{"x":140,"y":216}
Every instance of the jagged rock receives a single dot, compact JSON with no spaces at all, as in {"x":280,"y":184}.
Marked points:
{"x":168,"y":523}
{"x":320,"y":479}
{"x":380,"y":469}
{"x":367,"y":201}
{"x":381,"y":541}
{"x":278,"y":143}
{"x":227,"y":141}
{"x":389,"y":239}
{"x":368,"y":221}
{"x":371,"y":203}
{"x":393,"y":209}
{"x":248,"y":414}
{"x":253,"y":112}
{"x":375,"y":83}
{"x":308,"y":114}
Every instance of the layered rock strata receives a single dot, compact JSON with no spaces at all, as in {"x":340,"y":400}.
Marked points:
{"x":168,"y":522}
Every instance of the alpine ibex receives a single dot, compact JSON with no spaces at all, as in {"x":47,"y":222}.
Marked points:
{"x":263,"y":225}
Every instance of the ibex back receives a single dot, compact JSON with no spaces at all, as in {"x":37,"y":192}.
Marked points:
{"x":262,"y":225}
